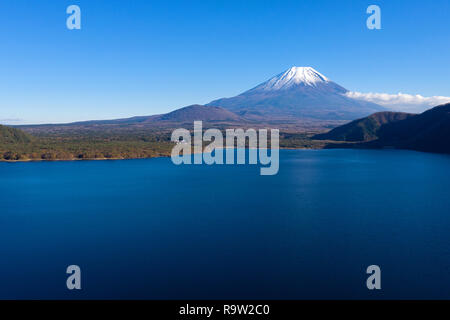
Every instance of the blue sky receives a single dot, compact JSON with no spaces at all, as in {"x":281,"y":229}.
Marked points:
{"x":147,"y":57}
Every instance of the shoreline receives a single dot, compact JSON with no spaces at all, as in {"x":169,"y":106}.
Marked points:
{"x":107,"y":159}
{"x":76,"y":159}
{"x":168,"y":156}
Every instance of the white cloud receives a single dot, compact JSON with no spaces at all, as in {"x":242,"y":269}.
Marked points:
{"x":401,"y":101}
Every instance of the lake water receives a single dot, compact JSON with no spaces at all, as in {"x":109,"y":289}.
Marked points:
{"x":150,"y":229}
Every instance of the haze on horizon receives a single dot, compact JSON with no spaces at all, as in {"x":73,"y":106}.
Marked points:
{"x":143,"y":58}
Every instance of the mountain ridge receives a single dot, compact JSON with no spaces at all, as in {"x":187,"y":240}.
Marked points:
{"x":198,"y":112}
{"x":428,"y":131}
{"x":364,"y":129}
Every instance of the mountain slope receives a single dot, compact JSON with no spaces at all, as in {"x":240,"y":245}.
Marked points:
{"x":428,"y":131}
{"x":10,"y":135}
{"x":364,"y":129}
{"x":141,"y":124}
{"x":299,"y":92}
{"x":199,"y":112}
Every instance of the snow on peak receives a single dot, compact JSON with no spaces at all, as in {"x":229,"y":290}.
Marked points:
{"x":294,"y":76}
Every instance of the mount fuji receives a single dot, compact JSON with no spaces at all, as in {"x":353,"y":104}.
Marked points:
{"x":298,"y":93}
{"x":299,"y":98}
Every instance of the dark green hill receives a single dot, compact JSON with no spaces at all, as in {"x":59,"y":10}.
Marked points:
{"x":10,"y":135}
{"x":428,"y":131}
{"x":365,"y":129}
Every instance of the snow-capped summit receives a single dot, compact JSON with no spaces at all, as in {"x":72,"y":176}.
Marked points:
{"x":294,"y":76}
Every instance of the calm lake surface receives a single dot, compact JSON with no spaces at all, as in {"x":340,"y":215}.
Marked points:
{"x":150,"y":229}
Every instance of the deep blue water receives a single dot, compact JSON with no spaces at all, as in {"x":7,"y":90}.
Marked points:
{"x":150,"y":229}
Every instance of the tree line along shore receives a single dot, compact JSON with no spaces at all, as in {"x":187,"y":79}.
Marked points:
{"x":18,"y":145}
